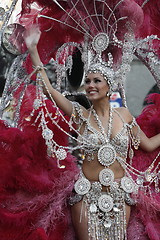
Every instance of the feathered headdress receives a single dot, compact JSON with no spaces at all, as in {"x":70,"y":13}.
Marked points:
{"x":107,"y":32}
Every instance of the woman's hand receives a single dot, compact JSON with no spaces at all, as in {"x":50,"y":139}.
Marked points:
{"x":31,"y":37}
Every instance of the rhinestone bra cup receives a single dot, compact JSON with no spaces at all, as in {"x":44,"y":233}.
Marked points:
{"x":93,"y":140}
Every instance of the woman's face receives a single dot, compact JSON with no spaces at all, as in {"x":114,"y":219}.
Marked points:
{"x":96,"y":86}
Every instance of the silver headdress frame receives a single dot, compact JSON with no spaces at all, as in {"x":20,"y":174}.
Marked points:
{"x":94,"y":47}
{"x":99,"y":33}
{"x":95,"y":44}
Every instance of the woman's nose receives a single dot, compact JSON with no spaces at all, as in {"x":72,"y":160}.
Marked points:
{"x":91,"y":84}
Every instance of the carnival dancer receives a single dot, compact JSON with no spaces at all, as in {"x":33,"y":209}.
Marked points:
{"x":101,"y":204}
{"x":119,"y":164}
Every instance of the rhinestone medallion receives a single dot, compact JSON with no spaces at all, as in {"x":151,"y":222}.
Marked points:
{"x":105,"y":203}
{"x":61,"y":154}
{"x":100,"y":42}
{"x":82,"y":186}
{"x":127,"y":184}
{"x":106,"y":155}
{"x":47,"y":134}
{"x":106,"y":177}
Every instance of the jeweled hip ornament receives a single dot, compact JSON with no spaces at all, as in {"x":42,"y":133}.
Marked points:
{"x":82,"y":186}
{"x":127,"y":184}
{"x":105,"y":203}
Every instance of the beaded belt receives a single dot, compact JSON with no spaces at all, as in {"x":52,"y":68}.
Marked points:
{"x":83,"y":186}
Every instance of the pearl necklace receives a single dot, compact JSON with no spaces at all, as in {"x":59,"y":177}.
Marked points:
{"x":99,"y":123}
{"x":106,"y":153}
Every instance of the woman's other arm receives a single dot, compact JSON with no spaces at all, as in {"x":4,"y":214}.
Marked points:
{"x":146,"y":143}
{"x":149,"y":144}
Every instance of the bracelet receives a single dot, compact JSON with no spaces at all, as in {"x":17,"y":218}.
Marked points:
{"x":39,"y":67}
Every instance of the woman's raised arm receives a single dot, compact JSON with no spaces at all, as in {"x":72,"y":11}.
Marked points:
{"x":31,"y":37}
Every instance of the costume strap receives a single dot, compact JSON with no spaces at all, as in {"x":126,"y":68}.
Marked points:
{"x":120,"y":116}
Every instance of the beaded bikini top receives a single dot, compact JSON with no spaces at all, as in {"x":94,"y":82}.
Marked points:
{"x":92,"y":140}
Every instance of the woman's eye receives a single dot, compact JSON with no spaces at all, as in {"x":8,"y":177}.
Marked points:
{"x":97,"y":80}
{"x":87,"y":81}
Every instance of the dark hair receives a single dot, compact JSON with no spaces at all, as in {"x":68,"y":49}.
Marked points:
{"x":80,"y":98}
{"x":2,"y":84}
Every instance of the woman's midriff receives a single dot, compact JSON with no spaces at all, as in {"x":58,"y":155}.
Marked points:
{"x":91,"y":169}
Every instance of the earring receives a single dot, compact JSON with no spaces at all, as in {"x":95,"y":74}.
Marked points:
{"x":107,"y":94}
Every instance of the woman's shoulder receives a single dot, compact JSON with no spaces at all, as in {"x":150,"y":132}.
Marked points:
{"x":125,"y":114}
{"x":82,"y":112}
